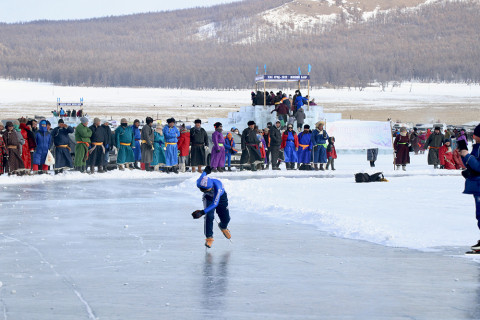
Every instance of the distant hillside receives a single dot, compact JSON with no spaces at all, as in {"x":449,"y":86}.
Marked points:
{"x":347,"y":43}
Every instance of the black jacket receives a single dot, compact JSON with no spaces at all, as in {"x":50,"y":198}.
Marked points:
{"x":275,"y":136}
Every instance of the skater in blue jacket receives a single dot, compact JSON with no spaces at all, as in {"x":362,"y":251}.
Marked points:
{"x":214,"y":199}
{"x":472,"y":174}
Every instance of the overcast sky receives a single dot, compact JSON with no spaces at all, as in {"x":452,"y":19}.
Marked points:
{"x":29,"y":10}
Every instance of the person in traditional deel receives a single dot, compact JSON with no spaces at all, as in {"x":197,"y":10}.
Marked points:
{"x":229,"y":150}
{"x":305,"y":146}
{"x":433,"y":144}
{"x":3,"y":152}
{"x":14,"y":160}
{"x":124,"y":141}
{"x":26,"y":148}
{"x":99,"y":140}
{"x":217,"y":160}
{"x":198,"y":146}
{"x":401,"y":147}
{"x":63,"y":158}
{"x":214,"y":200}
{"x":290,"y":147}
{"x":137,"y":151}
{"x":183,"y":146}
{"x":320,"y":143}
{"x":445,"y":156}
{"x":147,"y":144}
{"x":43,"y":139}
{"x":250,"y":147}
{"x":82,"y":138}
{"x":158,"y":152}
{"x":171,"y":134}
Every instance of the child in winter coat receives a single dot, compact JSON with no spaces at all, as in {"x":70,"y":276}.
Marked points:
{"x":229,"y":150}
{"x":331,"y":152}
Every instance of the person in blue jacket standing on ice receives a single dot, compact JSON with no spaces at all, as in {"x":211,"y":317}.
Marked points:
{"x":472,"y":174}
{"x":320,"y":143}
{"x":137,"y":151}
{"x":214,"y":199}
{"x":171,"y":135}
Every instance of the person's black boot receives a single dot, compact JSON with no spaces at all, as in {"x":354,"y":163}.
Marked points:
{"x":321,"y":167}
{"x":253,"y":167}
{"x":333,"y":161}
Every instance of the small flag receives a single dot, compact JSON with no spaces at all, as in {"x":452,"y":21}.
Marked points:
{"x":309,"y":68}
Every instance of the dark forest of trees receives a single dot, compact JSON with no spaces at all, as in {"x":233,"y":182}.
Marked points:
{"x":438,"y":42}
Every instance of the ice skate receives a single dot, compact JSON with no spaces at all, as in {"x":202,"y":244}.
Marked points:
{"x":209,"y":242}
{"x":225,"y":232}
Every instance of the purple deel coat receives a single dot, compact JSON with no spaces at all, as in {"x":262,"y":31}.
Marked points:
{"x":218,"y":151}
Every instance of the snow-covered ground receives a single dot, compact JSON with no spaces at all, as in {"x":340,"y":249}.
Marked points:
{"x":421,"y":208}
{"x":30,"y":98}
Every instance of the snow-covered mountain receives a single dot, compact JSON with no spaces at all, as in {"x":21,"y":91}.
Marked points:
{"x":300,"y":17}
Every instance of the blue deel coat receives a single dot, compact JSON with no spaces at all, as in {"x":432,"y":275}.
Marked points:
{"x":320,"y":142}
{"x":289,"y":150}
{"x":138,"y":136}
{"x":171,"y":138}
{"x":472,"y":162}
{"x":305,"y":146}
{"x":44,"y":141}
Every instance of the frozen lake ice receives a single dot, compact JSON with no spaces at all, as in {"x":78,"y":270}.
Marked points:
{"x":127,"y":248}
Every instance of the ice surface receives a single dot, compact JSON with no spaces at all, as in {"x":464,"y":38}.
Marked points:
{"x":124,"y":246}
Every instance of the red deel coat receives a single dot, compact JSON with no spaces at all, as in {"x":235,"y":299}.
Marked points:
{"x":458,"y":160}
{"x":183,"y":143}
{"x":446,"y":158}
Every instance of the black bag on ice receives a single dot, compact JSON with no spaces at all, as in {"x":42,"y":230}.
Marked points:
{"x":365,"y":177}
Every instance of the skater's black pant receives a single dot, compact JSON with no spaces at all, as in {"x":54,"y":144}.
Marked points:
{"x":222,"y":212}
{"x":275,"y":151}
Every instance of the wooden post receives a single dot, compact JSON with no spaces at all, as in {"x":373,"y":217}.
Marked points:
{"x":308,"y":101}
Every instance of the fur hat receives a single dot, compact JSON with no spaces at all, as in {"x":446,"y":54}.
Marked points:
{"x":477,"y":131}
{"x":319,"y":123}
{"x":123,"y":120}
{"x":251,"y":123}
{"x":437,"y":128}
{"x":306,"y":126}
{"x":171,"y":120}
{"x":198,"y":121}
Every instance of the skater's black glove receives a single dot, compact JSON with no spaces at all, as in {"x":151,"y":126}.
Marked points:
{"x":197,"y":214}
{"x":462,"y":145}
{"x":207,"y":170}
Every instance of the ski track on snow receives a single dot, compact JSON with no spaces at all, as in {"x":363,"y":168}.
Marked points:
{"x":91,"y":314}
